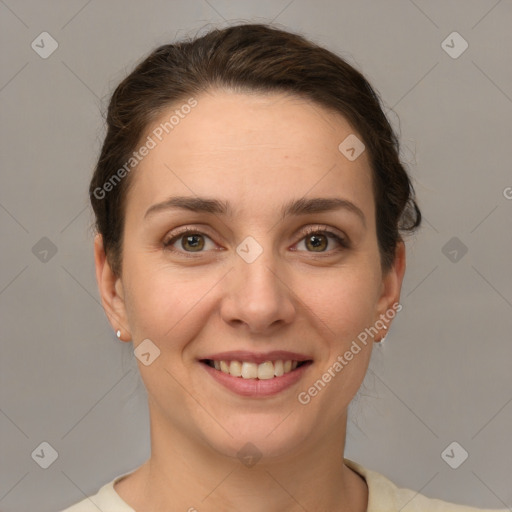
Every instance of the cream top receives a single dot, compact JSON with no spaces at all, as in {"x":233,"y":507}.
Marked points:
{"x":384,"y":496}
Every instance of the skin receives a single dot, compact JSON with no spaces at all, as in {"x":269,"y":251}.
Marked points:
{"x":257,"y":152}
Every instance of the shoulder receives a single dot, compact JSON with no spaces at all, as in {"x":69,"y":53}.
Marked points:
{"x":106,"y":500}
{"x":385,"y":496}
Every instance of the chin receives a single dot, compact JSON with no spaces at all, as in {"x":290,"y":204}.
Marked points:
{"x":263,"y":437}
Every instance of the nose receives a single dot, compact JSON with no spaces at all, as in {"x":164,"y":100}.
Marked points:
{"x":258,"y":297}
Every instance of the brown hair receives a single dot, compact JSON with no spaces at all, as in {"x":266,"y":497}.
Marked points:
{"x":259,"y":58}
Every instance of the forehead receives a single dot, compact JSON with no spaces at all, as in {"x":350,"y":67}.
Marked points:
{"x":251,"y":149}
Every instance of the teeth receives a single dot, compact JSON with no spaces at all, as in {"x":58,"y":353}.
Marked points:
{"x":278,"y":368}
{"x":235,"y":368}
{"x":266,"y":370}
{"x":263,"y":371}
{"x":249,"y":370}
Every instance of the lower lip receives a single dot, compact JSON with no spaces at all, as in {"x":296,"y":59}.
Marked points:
{"x":256,"y":387}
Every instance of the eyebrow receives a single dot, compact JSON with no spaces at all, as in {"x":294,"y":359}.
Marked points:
{"x":296,"y":207}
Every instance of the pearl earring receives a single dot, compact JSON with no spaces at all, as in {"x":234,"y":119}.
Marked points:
{"x":118,"y":334}
{"x":383,"y":337}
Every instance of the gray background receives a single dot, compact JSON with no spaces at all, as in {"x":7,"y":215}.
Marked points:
{"x":442,"y":375}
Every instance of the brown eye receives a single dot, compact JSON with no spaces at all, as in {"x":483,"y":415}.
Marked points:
{"x":194,"y":242}
{"x":191,"y":242}
{"x":317,"y":242}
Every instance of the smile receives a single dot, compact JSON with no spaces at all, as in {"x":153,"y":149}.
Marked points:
{"x":250,"y":370}
{"x":256,"y":374}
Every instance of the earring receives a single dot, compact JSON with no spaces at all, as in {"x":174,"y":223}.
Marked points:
{"x":118,"y":333}
{"x":383,"y":337}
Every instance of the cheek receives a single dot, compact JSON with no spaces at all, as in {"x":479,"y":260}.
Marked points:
{"x":342,"y":302}
{"x":163,"y":303}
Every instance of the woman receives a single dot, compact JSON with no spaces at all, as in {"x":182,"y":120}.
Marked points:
{"x":250,"y":205}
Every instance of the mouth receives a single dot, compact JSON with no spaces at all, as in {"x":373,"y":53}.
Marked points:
{"x":256,"y":374}
{"x":250,"y":370}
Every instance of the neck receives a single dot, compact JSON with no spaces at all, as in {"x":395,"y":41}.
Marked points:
{"x":185,"y":475}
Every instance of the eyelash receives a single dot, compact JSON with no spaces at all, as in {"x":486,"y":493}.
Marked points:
{"x":307,"y":232}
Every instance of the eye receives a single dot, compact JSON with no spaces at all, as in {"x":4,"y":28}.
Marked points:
{"x":317,"y":240}
{"x":191,"y":241}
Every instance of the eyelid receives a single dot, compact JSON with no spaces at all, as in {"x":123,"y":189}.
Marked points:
{"x":175,"y":235}
{"x":330,"y":232}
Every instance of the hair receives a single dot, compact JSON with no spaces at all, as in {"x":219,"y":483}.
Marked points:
{"x":249,"y":58}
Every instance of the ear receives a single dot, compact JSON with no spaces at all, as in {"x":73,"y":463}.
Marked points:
{"x":391,"y":288}
{"x":111,"y":291}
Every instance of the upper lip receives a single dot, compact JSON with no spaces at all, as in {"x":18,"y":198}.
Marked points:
{"x":257,"y":357}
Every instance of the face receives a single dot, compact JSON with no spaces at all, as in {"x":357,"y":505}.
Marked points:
{"x":280,"y":263}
